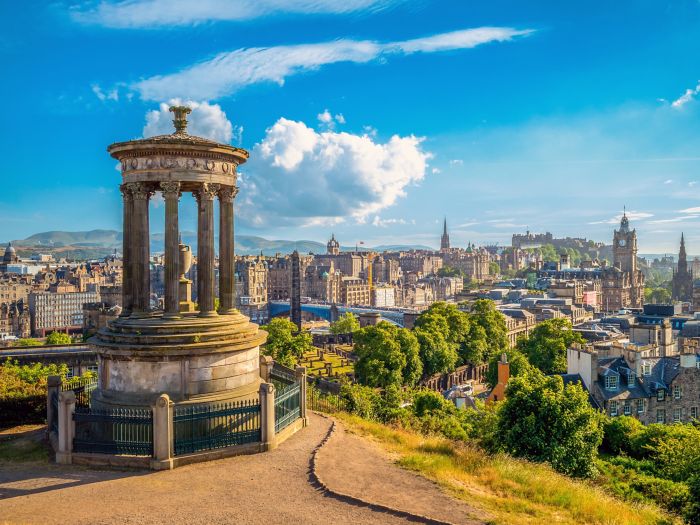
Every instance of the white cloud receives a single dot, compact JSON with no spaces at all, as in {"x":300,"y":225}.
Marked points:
{"x":456,"y":162}
{"x":692,"y":183}
{"x":301,"y":176}
{"x":231,"y":71}
{"x":686,"y":97}
{"x":682,"y":218}
{"x":384,"y":223}
{"x":206,"y":120}
{"x":328,"y":120}
{"x":690,"y":210}
{"x":163,"y":13}
{"x":435,"y":171}
{"x":631,"y":215}
{"x":112,"y":94}
{"x":668,"y":181}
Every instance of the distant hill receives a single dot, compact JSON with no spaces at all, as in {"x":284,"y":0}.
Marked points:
{"x":100,"y":243}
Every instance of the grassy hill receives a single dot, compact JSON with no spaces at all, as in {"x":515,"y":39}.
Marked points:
{"x":514,"y":491}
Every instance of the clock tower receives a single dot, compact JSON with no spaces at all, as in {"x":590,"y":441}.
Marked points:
{"x":625,"y":247}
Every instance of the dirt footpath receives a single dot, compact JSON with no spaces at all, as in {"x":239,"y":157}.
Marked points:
{"x":264,"y":488}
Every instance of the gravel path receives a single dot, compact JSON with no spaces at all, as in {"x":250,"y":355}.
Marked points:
{"x":264,"y":488}
{"x":355,"y":466}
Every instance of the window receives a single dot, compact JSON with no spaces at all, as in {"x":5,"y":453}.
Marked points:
{"x":676,"y":415}
{"x":613,"y":408}
{"x":640,"y":406}
{"x":611,"y":382}
{"x":693,"y":412}
{"x":676,"y":392}
{"x":660,"y":415}
{"x":630,"y":378}
{"x":660,"y":394}
{"x":70,"y":372}
{"x":627,"y":408}
{"x":646,"y":369}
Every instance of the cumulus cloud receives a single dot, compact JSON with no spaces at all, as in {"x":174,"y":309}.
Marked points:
{"x":112,"y":94}
{"x":230,"y":71}
{"x":384,"y":223}
{"x":686,"y":97}
{"x":298,"y":175}
{"x":328,"y":120}
{"x":163,"y":13}
{"x":456,"y":162}
{"x":206,"y":120}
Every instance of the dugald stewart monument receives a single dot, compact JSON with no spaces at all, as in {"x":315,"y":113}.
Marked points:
{"x":197,"y":355}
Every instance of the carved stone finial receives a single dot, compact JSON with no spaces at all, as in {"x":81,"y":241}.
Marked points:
{"x":180,"y":120}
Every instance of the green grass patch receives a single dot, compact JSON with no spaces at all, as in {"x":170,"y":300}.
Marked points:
{"x":23,"y":449}
{"x":508,"y":490}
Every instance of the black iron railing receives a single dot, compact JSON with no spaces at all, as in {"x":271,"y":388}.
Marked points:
{"x":122,"y":431}
{"x":325,"y":402}
{"x":287,"y":406}
{"x":211,"y":426}
{"x":53,"y":405}
{"x":82,"y":387}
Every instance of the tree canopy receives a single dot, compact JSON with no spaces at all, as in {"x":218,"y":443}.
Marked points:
{"x":58,"y":338}
{"x":546,"y":345}
{"x":543,"y":420}
{"x":518,"y":365}
{"x":283,"y":344}
{"x":387,"y":355}
{"x":346,"y":324}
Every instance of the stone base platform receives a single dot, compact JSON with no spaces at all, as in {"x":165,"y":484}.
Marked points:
{"x":192,"y":359}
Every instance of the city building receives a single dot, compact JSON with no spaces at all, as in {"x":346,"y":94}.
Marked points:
{"x":58,"y":312}
{"x":623,"y":283}
{"x":682,"y":282}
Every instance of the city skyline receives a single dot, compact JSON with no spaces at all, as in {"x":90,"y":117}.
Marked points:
{"x":366,"y":118}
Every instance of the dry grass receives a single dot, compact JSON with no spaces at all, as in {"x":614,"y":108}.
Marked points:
{"x":511,"y":490}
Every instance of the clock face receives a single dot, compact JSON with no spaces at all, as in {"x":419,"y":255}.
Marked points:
{"x":622,"y":242}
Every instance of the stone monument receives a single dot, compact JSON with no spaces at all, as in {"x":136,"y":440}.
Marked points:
{"x":194,"y":356}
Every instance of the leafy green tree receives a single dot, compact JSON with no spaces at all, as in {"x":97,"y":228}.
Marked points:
{"x":28,"y":342}
{"x":448,"y":271}
{"x":519,"y":365}
{"x":346,"y":324}
{"x":543,"y":420}
{"x":546,"y":345}
{"x":692,"y":512}
{"x":493,"y":322}
{"x":387,"y":355}
{"x":620,"y":434}
{"x":549,"y":253}
{"x":436,"y":354}
{"x":283,"y":343}
{"x":494,"y":268}
{"x":657,"y":295}
{"x":58,"y":338}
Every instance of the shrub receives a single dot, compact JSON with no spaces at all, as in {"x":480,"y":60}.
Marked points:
{"x":620,"y":434}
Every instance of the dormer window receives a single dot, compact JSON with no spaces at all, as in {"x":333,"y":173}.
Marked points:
{"x":611,"y":382}
{"x":646,"y":369}
{"x":630,"y":378}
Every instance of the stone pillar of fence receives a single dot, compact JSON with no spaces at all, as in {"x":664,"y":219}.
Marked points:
{"x":66,"y":427}
{"x":53,"y":387}
{"x":162,"y":433}
{"x":266,"y":364}
{"x":300,"y":374}
{"x":267,"y":416}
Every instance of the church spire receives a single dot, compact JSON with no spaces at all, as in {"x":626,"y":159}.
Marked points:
{"x":445,"y":239}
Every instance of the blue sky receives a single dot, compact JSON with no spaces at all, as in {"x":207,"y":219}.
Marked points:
{"x":369,"y":118}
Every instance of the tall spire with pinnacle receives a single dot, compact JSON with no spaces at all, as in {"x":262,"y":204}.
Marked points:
{"x":682,"y":257}
{"x":445,"y":239}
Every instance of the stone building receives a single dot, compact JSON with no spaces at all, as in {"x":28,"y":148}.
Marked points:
{"x":682,"y":282}
{"x":354,"y":291}
{"x":623,"y":283}
{"x":9,"y":257}
{"x":58,"y":312}
{"x":251,"y":287}
{"x":385,"y":270}
{"x":279,"y":279}
{"x":639,"y":381}
{"x":15,"y":319}
{"x":322,"y":283}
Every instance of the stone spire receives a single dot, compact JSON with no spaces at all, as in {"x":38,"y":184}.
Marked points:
{"x":445,"y":239}
{"x":682,"y":257}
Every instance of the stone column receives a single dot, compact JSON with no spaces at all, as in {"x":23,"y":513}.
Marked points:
{"x":267,"y":416}
{"x":127,"y":260}
{"x":162,"y":434}
{"x":300,"y":374}
{"x":140,"y":249}
{"x":171,"y":194}
{"x":53,"y":388}
{"x":66,"y":427}
{"x":226,"y":246}
{"x":205,"y":249}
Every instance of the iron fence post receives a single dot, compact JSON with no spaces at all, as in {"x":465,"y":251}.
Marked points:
{"x":162,"y":434}
{"x":267,"y":416}
{"x":66,"y":427}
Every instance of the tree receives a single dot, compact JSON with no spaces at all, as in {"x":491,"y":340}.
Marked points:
{"x":493,"y":322}
{"x":387,"y":355}
{"x":283,"y":344}
{"x":543,"y":420}
{"x":546,"y":345}
{"x":448,"y":271}
{"x":58,"y":338}
{"x":28,"y":342}
{"x":346,"y":324}
{"x":657,"y":295}
{"x":436,"y":354}
{"x":494,"y":268}
{"x":518,"y":365}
